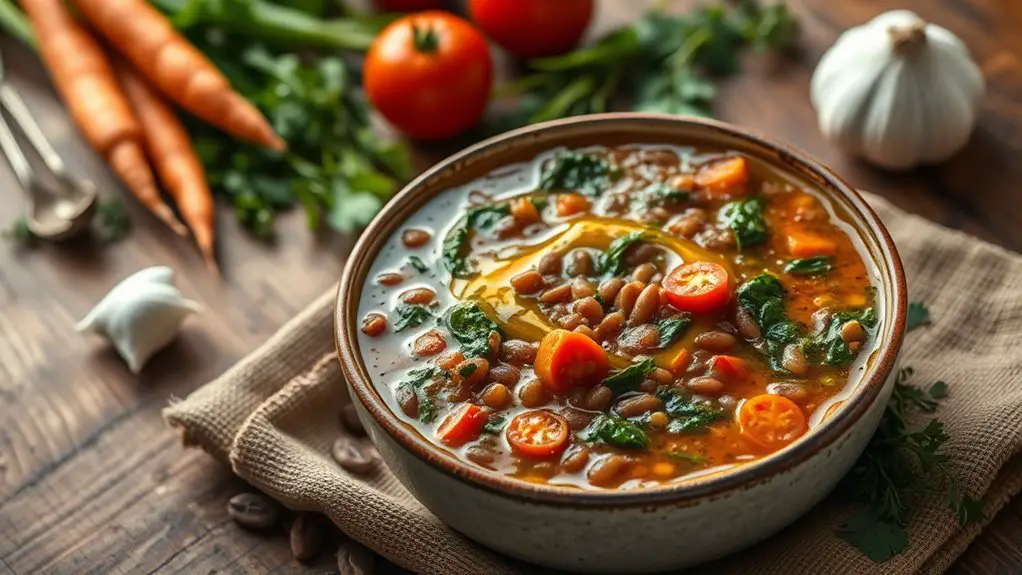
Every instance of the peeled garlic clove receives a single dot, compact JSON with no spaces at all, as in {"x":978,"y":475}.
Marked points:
{"x":140,"y":315}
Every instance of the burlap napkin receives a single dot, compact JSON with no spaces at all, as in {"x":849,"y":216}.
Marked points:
{"x":273,"y":417}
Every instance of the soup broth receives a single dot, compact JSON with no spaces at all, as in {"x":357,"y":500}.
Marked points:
{"x":619,"y":317}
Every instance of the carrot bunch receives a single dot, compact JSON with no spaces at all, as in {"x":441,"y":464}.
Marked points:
{"x":119,"y":101}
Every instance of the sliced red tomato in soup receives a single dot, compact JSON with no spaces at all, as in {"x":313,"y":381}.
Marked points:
{"x":539,"y":434}
{"x":771,"y":421}
{"x":463,"y":425}
{"x":699,"y":287}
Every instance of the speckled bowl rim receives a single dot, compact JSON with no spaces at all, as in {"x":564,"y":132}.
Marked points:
{"x":540,"y":137}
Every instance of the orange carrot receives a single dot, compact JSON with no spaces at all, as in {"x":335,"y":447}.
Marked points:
{"x":171,"y":152}
{"x":143,"y":35}
{"x":83,"y":77}
{"x":807,"y":244}
{"x":725,"y":177}
{"x":568,"y":359}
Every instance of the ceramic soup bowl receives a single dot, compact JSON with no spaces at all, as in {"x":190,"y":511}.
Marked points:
{"x":668,"y":526}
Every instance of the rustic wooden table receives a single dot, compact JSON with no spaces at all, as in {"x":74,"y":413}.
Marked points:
{"x":92,"y":481}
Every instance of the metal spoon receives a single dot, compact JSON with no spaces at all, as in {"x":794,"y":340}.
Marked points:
{"x":57,"y":209}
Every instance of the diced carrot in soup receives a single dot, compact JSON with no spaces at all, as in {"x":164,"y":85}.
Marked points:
{"x":727,"y":177}
{"x":807,"y":245}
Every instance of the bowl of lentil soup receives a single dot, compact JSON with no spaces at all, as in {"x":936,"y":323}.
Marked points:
{"x":624,"y":342}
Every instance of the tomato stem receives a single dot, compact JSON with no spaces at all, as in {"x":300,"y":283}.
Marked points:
{"x":425,"y":38}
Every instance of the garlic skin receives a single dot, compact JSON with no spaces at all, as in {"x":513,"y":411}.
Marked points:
{"x":140,"y":315}
{"x":897,"y":91}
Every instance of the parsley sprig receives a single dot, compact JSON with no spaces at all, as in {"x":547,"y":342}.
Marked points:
{"x":897,"y":461}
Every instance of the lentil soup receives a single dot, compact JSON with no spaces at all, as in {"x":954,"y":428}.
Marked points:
{"x":620,"y":317}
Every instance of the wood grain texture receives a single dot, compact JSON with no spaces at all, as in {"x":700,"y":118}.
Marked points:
{"x":91,"y":481}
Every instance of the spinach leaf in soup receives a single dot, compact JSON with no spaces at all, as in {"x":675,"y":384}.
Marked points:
{"x":411,"y":315}
{"x":615,"y":431}
{"x":416,"y":382}
{"x":827,"y":347}
{"x":470,"y":325}
{"x":660,"y":194}
{"x":763,"y":297}
{"x":452,"y":249}
{"x":495,"y":424}
{"x":687,"y":416}
{"x":809,"y":266}
{"x":587,"y":174}
{"x":745,"y":219}
{"x":630,"y":378}
{"x":672,"y":328}
{"x":612,"y":261}
{"x":479,"y":218}
{"x":417,"y":264}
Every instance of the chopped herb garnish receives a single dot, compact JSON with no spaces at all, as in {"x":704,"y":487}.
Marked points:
{"x":687,"y":457}
{"x":630,"y":378}
{"x":686,"y":415}
{"x":411,"y":315}
{"x":894,"y":461}
{"x":917,"y":316}
{"x":612,"y":261}
{"x":416,"y":381}
{"x":615,"y":431}
{"x":470,"y":325}
{"x":672,"y":328}
{"x":467,"y":370}
{"x":809,"y":266}
{"x":745,"y":219}
{"x":417,"y":264}
{"x":588,"y":174}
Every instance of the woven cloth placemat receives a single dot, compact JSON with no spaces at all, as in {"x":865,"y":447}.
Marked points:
{"x":274,"y":415}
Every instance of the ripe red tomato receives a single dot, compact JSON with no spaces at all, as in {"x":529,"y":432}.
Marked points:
{"x":699,"y":287}
{"x":533,"y":28}
{"x":407,"y":5}
{"x":429,"y":74}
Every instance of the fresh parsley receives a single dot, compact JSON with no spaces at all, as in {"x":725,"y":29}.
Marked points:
{"x":411,"y":315}
{"x":615,"y":431}
{"x":917,"y":316}
{"x":660,"y":194}
{"x":672,"y":328}
{"x":663,"y":61}
{"x":896,"y":460}
{"x":629,"y":378}
{"x":588,"y":174}
{"x":745,"y":219}
{"x":809,"y":266}
{"x":470,"y":325}
{"x":612,"y":261}
{"x":452,"y":248}
{"x":417,"y":264}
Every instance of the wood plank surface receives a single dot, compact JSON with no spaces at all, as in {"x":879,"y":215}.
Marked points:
{"x":91,"y":480}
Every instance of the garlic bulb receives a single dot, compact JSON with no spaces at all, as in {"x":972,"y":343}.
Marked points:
{"x":897,"y":91}
{"x":140,"y":315}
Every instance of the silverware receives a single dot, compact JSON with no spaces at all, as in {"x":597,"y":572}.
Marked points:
{"x":60,"y":205}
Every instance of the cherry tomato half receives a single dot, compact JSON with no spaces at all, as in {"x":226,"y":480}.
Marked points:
{"x":463,"y":425}
{"x":533,"y":28}
{"x":728,"y":367}
{"x":407,"y":5}
{"x":539,"y":434}
{"x":429,"y":74}
{"x":567,"y":360}
{"x":699,"y":287}
{"x":771,"y":421}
